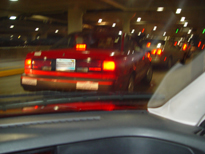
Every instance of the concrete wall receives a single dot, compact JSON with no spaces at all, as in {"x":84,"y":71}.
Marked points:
{"x":19,"y":52}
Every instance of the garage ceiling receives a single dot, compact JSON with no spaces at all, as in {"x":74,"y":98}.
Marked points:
{"x":50,"y":15}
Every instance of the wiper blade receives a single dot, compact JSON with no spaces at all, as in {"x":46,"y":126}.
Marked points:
{"x":44,"y":102}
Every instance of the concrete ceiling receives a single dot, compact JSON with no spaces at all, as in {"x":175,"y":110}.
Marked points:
{"x":53,"y":14}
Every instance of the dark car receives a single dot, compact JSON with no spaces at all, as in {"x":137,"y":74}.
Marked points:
{"x":163,"y":53}
{"x":88,"y":61}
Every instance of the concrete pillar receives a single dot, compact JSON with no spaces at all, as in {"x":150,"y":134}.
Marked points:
{"x":75,"y":20}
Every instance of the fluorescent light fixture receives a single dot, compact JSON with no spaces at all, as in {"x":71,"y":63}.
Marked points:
{"x":38,"y":37}
{"x":37,"y":29}
{"x":139,"y":33}
{"x":185,"y":24}
{"x":13,"y":0}
{"x":147,"y":35}
{"x":133,"y":31}
{"x":19,"y":36}
{"x":182,"y":19}
{"x":100,"y":20}
{"x":56,"y":31}
{"x":165,"y":38}
{"x":189,"y":32}
{"x":12,"y":18}
{"x":12,"y":26}
{"x":160,"y":9}
{"x":120,"y":33}
{"x":178,"y":11}
{"x":114,"y":24}
{"x":138,"y":19}
{"x":155,"y":28}
{"x":164,"y":33}
{"x":12,"y":36}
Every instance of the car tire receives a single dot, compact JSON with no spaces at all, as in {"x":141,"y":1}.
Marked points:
{"x":131,"y":84}
{"x":147,"y":79}
{"x":169,"y":63}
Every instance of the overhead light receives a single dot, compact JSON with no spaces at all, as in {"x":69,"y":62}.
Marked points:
{"x":37,"y":29}
{"x":138,"y":19}
{"x":12,"y":18}
{"x":13,"y":0}
{"x":189,"y":32}
{"x":147,"y":35}
{"x":185,"y":24}
{"x":139,"y":33}
{"x":12,"y":26}
{"x":114,"y":24}
{"x":100,"y":20}
{"x":38,"y":37}
{"x":164,"y":33}
{"x":155,"y":28}
{"x":182,"y":18}
{"x":120,"y":33}
{"x":178,"y":11}
{"x":160,"y":9}
{"x":11,"y":36}
{"x":56,"y":31}
{"x":19,"y":36}
{"x":133,"y":31}
{"x":165,"y":38}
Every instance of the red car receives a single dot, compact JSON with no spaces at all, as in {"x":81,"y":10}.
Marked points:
{"x":99,"y":60}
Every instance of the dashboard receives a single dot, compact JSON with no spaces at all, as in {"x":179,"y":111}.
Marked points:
{"x":98,"y":132}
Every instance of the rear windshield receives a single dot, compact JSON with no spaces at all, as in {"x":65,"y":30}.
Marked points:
{"x":97,"y":40}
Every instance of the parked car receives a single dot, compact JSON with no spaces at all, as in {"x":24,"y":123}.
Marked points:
{"x":97,"y":60}
{"x":163,"y":53}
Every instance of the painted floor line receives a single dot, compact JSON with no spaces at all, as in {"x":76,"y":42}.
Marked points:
{"x":11,"y":72}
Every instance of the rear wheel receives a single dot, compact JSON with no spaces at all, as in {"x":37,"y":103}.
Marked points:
{"x":130,"y":87}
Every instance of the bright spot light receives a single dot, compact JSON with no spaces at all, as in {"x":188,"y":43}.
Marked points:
{"x":12,"y":26}
{"x":100,"y":20}
{"x":182,"y":18}
{"x":19,"y":36}
{"x":56,"y":31}
{"x":12,"y":36}
{"x":178,"y":11}
{"x":164,"y":33}
{"x":12,"y":18}
{"x":139,"y":33}
{"x":120,"y":33}
{"x":185,"y":24}
{"x":159,"y":45}
{"x":138,"y":19}
{"x":114,"y":24}
{"x":37,"y":29}
{"x":155,"y":28}
{"x":165,"y":38}
{"x":189,"y":32}
{"x":38,"y":37}
{"x":13,"y":0}
{"x":159,"y":9}
{"x":147,"y":35}
{"x":133,"y":31}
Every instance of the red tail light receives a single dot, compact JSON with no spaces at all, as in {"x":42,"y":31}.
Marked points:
{"x":159,"y":51}
{"x":108,"y":66}
{"x":202,"y":47}
{"x":199,"y":44}
{"x":184,"y":47}
{"x":80,"y":47}
{"x":154,"y":51}
{"x":148,"y":44}
{"x":28,"y":63}
{"x":175,"y":43}
{"x":94,"y":69}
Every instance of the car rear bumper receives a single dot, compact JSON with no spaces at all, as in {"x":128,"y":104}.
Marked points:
{"x":31,"y":82}
{"x":158,"y":60}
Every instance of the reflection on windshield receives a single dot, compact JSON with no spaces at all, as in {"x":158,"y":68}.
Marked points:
{"x":177,"y":79}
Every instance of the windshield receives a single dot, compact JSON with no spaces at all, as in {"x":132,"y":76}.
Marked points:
{"x":141,"y":52}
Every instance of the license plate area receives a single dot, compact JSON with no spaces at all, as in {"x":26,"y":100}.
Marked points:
{"x":65,"y":64}
{"x":31,"y":82}
{"x":87,"y":85}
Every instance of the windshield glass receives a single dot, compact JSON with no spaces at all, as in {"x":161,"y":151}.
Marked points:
{"x":108,"y":51}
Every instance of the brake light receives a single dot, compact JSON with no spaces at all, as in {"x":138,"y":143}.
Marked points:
{"x":159,"y":51}
{"x":154,"y":51}
{"x":80,"y":47}
{"x":202,"y":47}
{"x":175,"y":43}
{"x":108,"y":66}
{"x":199,"y":44}
{"x":184,"y":47}
{"x":27,"y":63}
{"x":148,"y":44}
